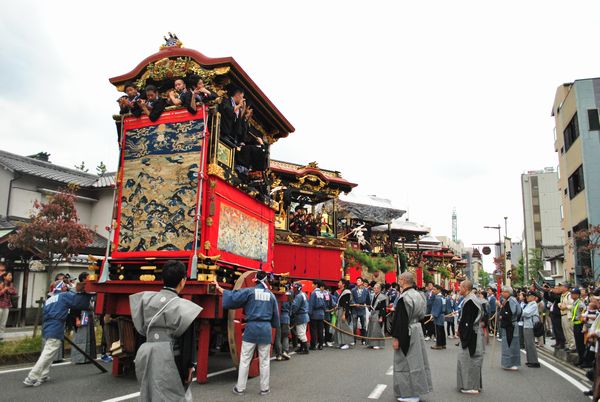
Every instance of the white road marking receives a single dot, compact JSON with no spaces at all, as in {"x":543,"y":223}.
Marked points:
{"x":123,"y":398}
{"x":379,"y":388}
{"x":29,"y":368}
{"x":390,"y":371}
{"x":561,"y":373}
{"x":564,"y":375}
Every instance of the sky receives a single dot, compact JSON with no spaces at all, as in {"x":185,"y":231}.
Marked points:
{"x":435,"y":105}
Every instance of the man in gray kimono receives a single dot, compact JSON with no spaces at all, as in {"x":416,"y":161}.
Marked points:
{"x":470,"y":354}
{"x":412,"y":376}
{"x":164,"y":364}
{"x":377,"y":308}
{"x":510,"y":314}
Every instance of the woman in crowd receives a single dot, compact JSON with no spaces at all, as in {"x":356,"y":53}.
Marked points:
{"x":530,"y":317}
{"x":7,"y":292}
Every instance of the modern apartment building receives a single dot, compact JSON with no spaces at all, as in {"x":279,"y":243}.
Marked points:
{"x":542,"y":220}
{"x":577,"y":142}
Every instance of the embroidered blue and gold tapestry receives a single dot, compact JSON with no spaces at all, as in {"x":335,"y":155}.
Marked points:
{"x":160,"y":181}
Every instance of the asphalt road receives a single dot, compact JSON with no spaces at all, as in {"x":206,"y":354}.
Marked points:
{"x":329,"y":375}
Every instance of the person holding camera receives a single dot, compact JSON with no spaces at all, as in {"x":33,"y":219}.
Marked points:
{"x":153,"y":106}
{"x":56,"y":310}
{"x":196,"y":95}
{"x":128,"y":100}
{"x":7,"y":292}
{"x":232,"y":110}
{"x":553,"y":295}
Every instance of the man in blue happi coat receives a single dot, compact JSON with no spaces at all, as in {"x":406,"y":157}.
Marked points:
{"x":300,"y":317}
{"x":361,"y":300}
{"x":56,"y":309}
{"x":316,"y":313}
{"x":438,"y":312}
{"x":262,"y":314}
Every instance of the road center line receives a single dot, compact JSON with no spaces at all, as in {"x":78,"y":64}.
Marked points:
{"x":29,"y":368}
{"x":379,"y":388}
{"x":390,"y":371}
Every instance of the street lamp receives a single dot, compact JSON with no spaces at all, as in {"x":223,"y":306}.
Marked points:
{"x":498,"y":228}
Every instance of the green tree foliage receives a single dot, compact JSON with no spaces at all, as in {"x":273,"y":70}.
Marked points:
{"x":444,"y":271}
{"x":427,"y":277}
{"x":518,"y":273}
{"x":484,"y":278}
{"x":371,"y":262}
{"x":536,"y":263}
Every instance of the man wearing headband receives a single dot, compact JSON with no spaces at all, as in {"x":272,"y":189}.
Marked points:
{"x":262,"y":314}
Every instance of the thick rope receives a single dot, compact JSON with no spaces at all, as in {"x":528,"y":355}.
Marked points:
{"x":357,"y":336}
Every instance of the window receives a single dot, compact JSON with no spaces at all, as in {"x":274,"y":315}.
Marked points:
{"x":594,"y":119}
{"x":562,"y":213}
{"x":571,"y":132}
{"x":576,"y":184}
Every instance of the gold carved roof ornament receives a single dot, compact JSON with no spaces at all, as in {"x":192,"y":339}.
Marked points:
{"x":178,"y":67}
{"x":317,"y":182}
{"x":171,"y":41}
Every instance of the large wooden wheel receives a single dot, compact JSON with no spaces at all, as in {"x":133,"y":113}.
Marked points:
{"x":236,"y":322}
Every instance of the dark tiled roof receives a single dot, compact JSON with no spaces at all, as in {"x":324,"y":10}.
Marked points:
{"x":106,"y":180}
{"x":6,"y":224}
{"x":47,"y":170}
{"x":552,"y":252}
{"x":98,"y":241}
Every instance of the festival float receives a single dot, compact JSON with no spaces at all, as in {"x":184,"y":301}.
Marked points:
{"x":179,"y":196}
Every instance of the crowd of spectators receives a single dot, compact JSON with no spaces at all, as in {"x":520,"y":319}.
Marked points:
{"x":308,"y":224}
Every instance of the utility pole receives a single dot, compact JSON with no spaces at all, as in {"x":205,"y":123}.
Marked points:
{"x":497,"y":272}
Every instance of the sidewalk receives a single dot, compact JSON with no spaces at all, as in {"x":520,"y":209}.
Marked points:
{"x":15,"y":333}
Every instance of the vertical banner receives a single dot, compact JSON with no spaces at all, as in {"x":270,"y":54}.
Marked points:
{"x":507,"y":261}
{"x":419,"y":275}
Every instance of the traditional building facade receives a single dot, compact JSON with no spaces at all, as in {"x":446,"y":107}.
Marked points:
{"x":25,"y":179}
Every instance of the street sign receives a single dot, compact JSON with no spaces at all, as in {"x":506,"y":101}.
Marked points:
{"x":486,"y":250}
